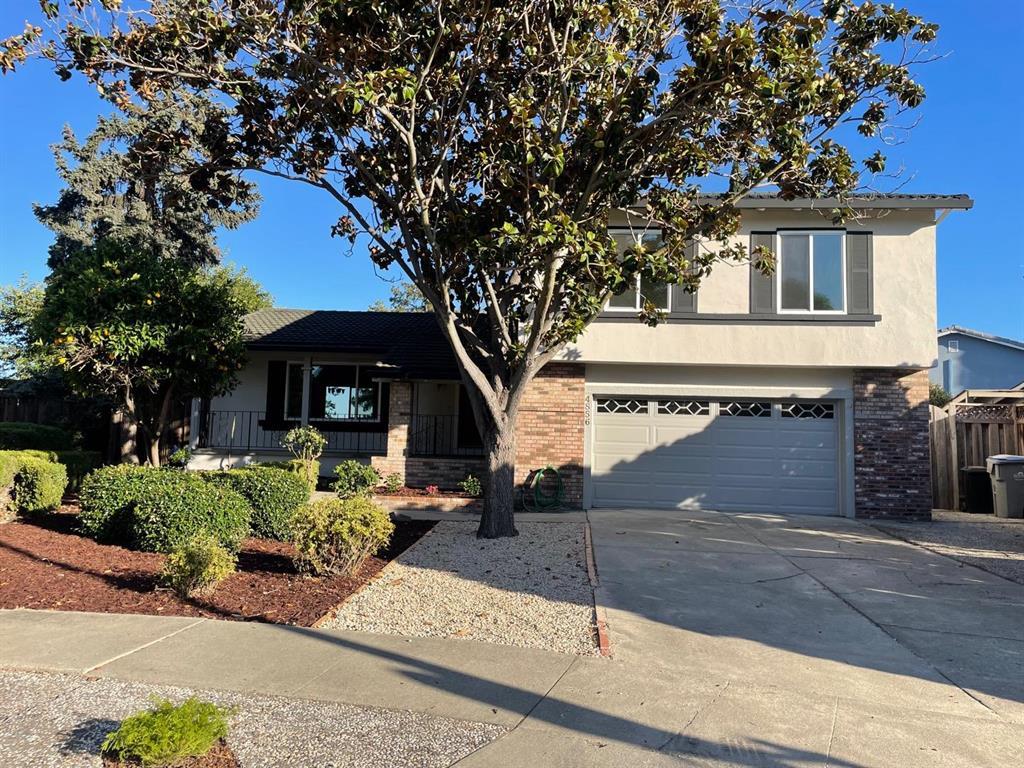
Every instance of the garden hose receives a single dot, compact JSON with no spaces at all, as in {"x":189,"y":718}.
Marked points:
{"x":536,"y":498}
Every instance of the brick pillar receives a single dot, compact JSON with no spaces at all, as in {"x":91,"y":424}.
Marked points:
{"x":399,"y":417}
{"x":550,"y":427}
{"x":892,"y":460}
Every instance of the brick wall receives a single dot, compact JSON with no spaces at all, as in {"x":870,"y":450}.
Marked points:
{"x":550,"y":428}
{"x":550,"y":431}
{"x":892,"y":463}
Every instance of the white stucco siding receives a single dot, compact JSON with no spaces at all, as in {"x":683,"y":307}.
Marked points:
{"x":904,"y":299}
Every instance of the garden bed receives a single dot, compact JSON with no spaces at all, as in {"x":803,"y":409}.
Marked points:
{"x":45,"y":564}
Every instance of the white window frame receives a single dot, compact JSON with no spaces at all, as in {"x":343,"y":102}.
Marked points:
{"x":287,"y":389}
{"x":953,"y":345}
{"x":809,"y":233}
{"x":358,"y":367}
{"x":636,"y":305}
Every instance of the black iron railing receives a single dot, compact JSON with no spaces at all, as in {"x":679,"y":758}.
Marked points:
{"x":442,"y":436}
{"x":251,"y":431}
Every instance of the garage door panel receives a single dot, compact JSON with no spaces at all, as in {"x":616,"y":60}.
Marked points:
{"x":782,"y":460}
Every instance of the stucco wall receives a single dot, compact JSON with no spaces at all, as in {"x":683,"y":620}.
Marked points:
{"x":904,"y":298}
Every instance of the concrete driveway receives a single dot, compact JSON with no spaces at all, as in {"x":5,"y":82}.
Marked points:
{"x":756,"y":640}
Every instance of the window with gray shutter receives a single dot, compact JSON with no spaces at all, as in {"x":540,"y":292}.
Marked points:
{"x":859,"y":277}
{"x":762,"y":287}
{"x":685,"y":303}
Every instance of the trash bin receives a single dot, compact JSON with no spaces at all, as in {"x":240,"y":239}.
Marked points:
{"x":977,"y":487}
{"x":1007,"y":474}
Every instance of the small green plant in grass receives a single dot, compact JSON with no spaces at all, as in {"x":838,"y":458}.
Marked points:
{"x":472,"y":486}
{"x":167,"y":733}
{"x":197,"y":565}
{"x":355,"y":478}
{"x":393,"y":483}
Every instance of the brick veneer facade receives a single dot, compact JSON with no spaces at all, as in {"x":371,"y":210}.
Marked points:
{"x":550,"y":431}
{"x":892,"y":462}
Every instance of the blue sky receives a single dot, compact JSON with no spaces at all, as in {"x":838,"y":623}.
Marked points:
{"x":967,"y":140}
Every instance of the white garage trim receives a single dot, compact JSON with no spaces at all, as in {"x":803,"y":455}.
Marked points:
{"x":841,"y":397}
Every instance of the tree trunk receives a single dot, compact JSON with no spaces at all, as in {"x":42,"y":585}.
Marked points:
{"x":153,"y":451}
{"x":497,"y":519}
{"x":127,"y":438}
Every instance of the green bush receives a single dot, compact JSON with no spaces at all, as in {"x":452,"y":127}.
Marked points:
{"x":472,"y":486}
{"x":78,"y":464}
{"x":393,"y":483}
{"x":167,"y":733}
{"x":18,"y":435}
{"x":297,"y":467}
{"x":355,"y":478}
{"x":273,"y":494}
{"x":195,"y":566}
{"x":30,"y":482}
{"x":335,"y":536}
{"x":306,"y":444}
{"x":156,"y":509}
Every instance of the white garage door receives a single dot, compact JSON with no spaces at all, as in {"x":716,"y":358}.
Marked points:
{"x":716,"y":453}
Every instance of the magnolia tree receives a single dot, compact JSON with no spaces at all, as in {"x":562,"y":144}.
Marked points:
{"x":481,"y":147}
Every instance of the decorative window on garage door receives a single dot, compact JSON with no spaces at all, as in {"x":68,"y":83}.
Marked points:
{"x":808,"y":411}
{"x":745,"y":408}
{"x":620,"y":405}
{"x":684,"y":407}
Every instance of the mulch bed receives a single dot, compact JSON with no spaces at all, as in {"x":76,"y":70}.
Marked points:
{"x":219,"y":756}
{"x":45,"y":564}
{"x":421,"y":492}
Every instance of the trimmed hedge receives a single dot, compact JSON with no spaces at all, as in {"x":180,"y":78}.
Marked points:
{"x":30,"y":482}
{"x":273,"y":494}
{"x":78,"y":464}
{"x":155,"y":509}
{"x":335,"y":536}
{"x":18,"y":435}
{"x":296,"y":467}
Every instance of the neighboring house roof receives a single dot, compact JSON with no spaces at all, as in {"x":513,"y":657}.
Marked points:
{"x":862,"y":201}
{"x":410,"y":343}
{"x":956,"y":329}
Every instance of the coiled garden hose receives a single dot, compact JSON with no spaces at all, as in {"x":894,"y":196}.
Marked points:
{"x":536,"y":498}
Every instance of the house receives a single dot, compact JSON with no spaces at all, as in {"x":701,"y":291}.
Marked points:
{"x":975,"y":360}
{"x":805,"y":391}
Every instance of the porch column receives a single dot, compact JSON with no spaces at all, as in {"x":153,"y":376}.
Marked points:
{"x":399,"y":418}
{"x":307,"y":374}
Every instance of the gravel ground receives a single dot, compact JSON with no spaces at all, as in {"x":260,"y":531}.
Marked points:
{"x":988,"y":542}
{"x":57,"y":720}
{"x":530,"y":591}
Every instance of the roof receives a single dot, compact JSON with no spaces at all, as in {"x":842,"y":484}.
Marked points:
{"x":1013,"y":343}
{"x":409,"y":342}
{"x":862,"y":201}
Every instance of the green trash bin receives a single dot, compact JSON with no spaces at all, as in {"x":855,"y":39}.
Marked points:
{"x":1007,"y":473}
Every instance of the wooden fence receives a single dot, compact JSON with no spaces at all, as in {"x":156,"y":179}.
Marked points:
{"x":973,"y":426}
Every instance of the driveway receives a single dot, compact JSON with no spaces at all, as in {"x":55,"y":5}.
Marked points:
{"x":758,"y":640}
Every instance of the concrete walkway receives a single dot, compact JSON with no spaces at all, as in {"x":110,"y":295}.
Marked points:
{"x":738,"y":640}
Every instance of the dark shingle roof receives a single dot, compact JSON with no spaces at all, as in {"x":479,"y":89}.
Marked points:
{"x":411,"y":342}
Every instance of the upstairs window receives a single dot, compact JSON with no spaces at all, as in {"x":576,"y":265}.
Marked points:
{"x":643,"y":290}
{"x":811,"y":272}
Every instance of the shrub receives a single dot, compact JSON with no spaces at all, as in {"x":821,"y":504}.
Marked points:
{"x":938,"y":396}
{"x":273,"y":494}
{"x":393,"y":483}
{"x":306,"y":444}
{"x":432,"y":490}
{"x":18,"y":435}
{"x":195,"y":566}
{"x":167,"y":733}
{"x":179,"y":457}
{"x":472,"y":486}
{"x":38,"y":484}
{"x":78,"y":464}
{"x":335,"y":536}
{"x":297,"y":468}
{"x":156,"y":509}
{"x":355,"y":478}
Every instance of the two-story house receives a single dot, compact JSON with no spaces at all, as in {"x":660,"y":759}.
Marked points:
{"x":971,"y":359}
{"x":805,"y":391}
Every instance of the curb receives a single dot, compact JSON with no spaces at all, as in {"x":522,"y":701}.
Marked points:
{"x":600,"y":616}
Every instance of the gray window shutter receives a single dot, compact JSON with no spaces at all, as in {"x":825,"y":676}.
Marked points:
{"x":684,"y":303}
{"x":277,"y":373}
{"x":762,"y":287}
{"x":859,"y":274}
